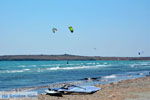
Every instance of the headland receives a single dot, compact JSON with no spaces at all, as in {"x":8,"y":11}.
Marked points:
{"x":63,"y":57}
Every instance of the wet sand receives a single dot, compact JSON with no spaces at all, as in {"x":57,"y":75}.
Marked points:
{"x":133,"y":89}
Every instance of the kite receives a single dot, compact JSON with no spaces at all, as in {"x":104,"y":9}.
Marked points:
{"x":71,"y":29}
{"x":140,"y":52}
{"x":54,"y":30}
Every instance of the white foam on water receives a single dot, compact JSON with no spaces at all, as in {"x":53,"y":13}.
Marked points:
{"x":53,"y":68}
{"x":103,"y":65}
{"x":33,"y":65}
{"x":22,"y":66}
{"x":110,"y":76}
{"x":27,"y":66}
{"x":140,"y":64}
{"x":14,"y":71}
{"x":47,"y":65}
{"x":67,"y":68}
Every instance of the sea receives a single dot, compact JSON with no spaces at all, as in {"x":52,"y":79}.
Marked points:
{"x":29,"y":74}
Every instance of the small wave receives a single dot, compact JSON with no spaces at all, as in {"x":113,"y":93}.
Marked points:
{"x":110,"y":76}
{"x":91,"y":63}
{"x":14,"y":71}
{"x":33,"y":65}
{"x":53,"y":68}
{"x":21,"y":66}
{"x":51,"y":65}
{"x":67,"y":68}
{"x":139,"y":65}
{"x":103,"y":65}
{"x":143,"y":73}
{"x":145,"y":64}
{"x":47,"y":65}
{"x":27,"y":66}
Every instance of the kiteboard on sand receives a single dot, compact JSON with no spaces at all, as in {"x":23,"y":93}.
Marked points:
{"x":73,"y":89}
{"x":53,"y":92}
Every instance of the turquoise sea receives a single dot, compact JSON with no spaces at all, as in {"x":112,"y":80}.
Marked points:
{"x":23,"y":74}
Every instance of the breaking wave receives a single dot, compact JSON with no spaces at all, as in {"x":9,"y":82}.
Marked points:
{"x":35,"y":68}
{"x":69,"y":68}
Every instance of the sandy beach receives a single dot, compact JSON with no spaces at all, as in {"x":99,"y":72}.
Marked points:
{"x":133,"y":89}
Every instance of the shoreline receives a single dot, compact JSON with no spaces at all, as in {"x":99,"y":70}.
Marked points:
{"x":131,"y":89}
{"x":85,"y":81}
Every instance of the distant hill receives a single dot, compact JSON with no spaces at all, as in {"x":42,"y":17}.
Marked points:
{"x":64,"y":57}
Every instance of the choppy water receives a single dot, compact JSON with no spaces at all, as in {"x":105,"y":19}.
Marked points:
{"x":18,"y":74}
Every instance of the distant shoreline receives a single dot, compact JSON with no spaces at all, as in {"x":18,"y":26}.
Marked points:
{"x":63,"y":57}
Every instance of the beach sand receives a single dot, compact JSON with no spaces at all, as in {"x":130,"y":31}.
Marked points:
{"x":133,"y":89}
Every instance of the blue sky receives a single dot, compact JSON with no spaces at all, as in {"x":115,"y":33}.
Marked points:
{"x":101,"y":27}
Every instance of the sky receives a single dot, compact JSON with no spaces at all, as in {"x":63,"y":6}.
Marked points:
{"x":101,"y":27}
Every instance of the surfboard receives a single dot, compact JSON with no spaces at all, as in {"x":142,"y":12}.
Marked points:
{"x":53,"y":92}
